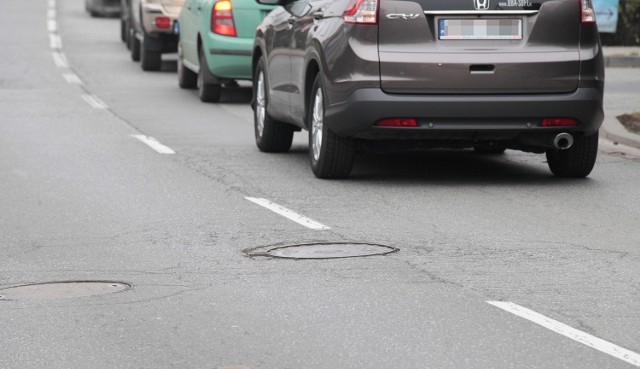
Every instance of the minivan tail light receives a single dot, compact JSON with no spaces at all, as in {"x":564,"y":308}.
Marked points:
{"x":222,"y":19}
{"x":587,"y":11}
{"x":163,"y":22}
{"x":361,"y":12}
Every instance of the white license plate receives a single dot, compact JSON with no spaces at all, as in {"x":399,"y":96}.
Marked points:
{"x":480,"y":29}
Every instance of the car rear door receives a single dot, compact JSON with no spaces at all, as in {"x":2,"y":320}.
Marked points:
{"x":479,"y":46}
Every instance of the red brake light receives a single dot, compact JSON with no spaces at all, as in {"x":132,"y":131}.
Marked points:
{"x":587,"y":11}
{"x":361,"y":12}
{"x":222,"y":19}
{"x":398,"y":122}
{"x":163,"y":22}
{"x":558,"y":122}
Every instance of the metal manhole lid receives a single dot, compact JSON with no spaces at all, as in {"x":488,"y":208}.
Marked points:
{"x":59,"y":290}
{"x":329,"y":250}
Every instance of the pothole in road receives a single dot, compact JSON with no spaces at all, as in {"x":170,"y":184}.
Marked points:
{"x":327,"y":250}
{"x":61,"y":290}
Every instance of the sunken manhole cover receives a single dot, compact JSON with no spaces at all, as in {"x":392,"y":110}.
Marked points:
{"x":61,"y":290}
{"x":329,"y":250}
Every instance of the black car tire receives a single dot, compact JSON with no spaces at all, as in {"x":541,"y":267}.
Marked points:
{"x":334,"y":155}
{"x":577,"y":161}
{"x":271,"y":135}
{"x":187,"y":79}
{"x":150,"y":60}
{"x":207,"y":92}
{"x":135,"y":47}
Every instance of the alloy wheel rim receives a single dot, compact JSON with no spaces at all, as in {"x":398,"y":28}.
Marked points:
{"x":260,"y":104}
{"x":317,"y":124}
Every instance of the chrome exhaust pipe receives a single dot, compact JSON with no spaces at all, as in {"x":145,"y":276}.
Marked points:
{"x":563,"y":141}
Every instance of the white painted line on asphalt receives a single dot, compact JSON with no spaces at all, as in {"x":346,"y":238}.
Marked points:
{"x":60,"y":59}
{"x":94,"y":102}
{"x":52,"y":25}
{"x":55,"y":41}
{"x":52,"y":3}
{"x":154,"y":144}
{"x":567,"y":331}
{"x":51,"y":13}
{"x":289,"y":214}
{"x":72,"y":78}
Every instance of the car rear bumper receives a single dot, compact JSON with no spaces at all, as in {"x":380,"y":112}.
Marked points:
{"x":467,"y":117}
{"x":229,"y":57}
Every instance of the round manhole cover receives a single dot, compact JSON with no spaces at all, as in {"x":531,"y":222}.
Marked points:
{"x":60,"y":290}
{"x":329,"y":250}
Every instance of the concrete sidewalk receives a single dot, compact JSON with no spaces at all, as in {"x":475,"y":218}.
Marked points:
{"x":612,"y":129}
{"x":621,"y":56}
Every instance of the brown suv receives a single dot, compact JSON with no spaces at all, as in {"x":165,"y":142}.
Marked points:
{"x":486,"y":74}
{"x":151,"y":30}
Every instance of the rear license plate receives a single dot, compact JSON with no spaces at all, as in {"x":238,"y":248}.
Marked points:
{"x":480,"y":29}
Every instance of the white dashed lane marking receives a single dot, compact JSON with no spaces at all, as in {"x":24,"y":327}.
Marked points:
{"x":154,"y":144}
{"x":289,"y":214}
{"x":94,"y":102}
{"x":60,"y":59}
{"x":52,"y":25}
{"x":72,"y":78}
{"x":55,"y":42}
{"x":569,"y":332}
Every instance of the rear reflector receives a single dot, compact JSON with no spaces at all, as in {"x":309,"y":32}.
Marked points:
{"x":361,"y":12}
{"x":398,"y":122}
{"x":587,"y":11}
{"x":222,"y":19}
{"x":163,"y":22}
{"x":558,"y":122}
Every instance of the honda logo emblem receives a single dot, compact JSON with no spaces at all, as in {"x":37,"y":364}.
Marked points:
{"x":481,"y":4}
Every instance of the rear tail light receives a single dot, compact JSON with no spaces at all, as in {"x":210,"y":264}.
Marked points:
{"x":361,"y":12}
{"x":558,"y":122}
{"x":398,"y":122}
{"x":222,"y":19}
{"x":587,"y":11}
{"x":163,"y":22}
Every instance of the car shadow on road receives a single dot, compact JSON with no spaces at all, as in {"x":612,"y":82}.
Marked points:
{"x":450,"y":167}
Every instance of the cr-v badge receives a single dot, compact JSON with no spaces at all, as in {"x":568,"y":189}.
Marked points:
{"x":405,"y":16}
{"x":481,"y":4}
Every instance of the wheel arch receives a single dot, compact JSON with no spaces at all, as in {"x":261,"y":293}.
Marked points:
{"x":311,"y":71}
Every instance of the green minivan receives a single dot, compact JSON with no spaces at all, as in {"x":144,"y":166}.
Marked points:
{"x":217,"y":34}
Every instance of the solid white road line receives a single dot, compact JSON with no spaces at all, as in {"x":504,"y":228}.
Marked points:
{"x":60,"y":59}
{"x":72,"y":78}
{"x":52,"y":3}
{"x":289,"y":214}
{"x":567,"y":331}
{"x":94,"y":102}
{"x":154,"y":144}
{"x":51,"y":13}
{"x":52,"y":25}
{"x":55,"y":41}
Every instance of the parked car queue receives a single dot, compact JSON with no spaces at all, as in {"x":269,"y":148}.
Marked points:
{"x":488,"y":75}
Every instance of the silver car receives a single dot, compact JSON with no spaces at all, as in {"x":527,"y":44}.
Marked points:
{"x":102,"y":8}
{"x":484,"y":74}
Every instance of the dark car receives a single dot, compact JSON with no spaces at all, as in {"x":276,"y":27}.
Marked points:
{"x":102,"y":8}
{"x":484,"y":74}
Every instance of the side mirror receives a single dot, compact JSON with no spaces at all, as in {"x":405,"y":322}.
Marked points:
{"x":272,"y":2}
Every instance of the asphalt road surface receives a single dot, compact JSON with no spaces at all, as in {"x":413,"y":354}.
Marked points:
{"x":500,"y":264}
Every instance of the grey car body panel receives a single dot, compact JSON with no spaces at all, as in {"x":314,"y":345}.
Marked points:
{"x":414,"y":60}
{"x":398,"y":69}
